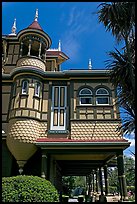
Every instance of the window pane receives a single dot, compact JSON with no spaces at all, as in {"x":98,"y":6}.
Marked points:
{"x":86,"y":100}
{"x":102,"y":100}
{"x":85,"y":92}
{"x":37,"y":89}
{"x":56,"y":96}
{"x":102,"y":91}
{"x":24,"y":86}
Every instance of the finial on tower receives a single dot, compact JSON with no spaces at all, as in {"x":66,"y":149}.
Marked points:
{"x":59,"y":46}
{"x":89,"y":64}
{"x":13,"y":30}
{"x":36,"y":15}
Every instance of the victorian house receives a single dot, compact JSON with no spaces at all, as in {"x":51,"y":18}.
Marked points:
{"x":57,"y":123}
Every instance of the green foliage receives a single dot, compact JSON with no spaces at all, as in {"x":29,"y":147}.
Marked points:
{"x":129,"y":168}
{"x":72,"y":182}
{"x":28,"y":189}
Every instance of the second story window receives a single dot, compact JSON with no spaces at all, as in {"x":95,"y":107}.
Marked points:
{"x":102,"y":97}
{"x":37,"y":89}
{"x":85,"y":96}
{"x":24,"y":87}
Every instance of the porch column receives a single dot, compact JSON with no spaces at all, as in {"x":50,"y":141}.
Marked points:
{"x":44,"y":165}
{"x":93,"y":181}
{"x":29,"y":47}
{"x":21,"y":49}
{"x":106,"y":179}
{"x":40,"y":49}
{"x":121,"y":176}
{"x":97,"y":181}
{"x":89,"y":185}
{"x":100,"y":180}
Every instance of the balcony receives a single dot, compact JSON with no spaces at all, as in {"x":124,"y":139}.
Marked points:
{"x":31,"y":61}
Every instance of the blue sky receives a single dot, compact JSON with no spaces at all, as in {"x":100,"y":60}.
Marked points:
{"x":74,"y":23}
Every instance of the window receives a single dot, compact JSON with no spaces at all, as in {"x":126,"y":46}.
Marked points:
{"x":85,"y":96}
{"x":102,"y":97}
{"x":24,"y":87}
{"x":37,"y":89}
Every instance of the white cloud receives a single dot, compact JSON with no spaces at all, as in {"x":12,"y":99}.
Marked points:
{"x":78,"y":24}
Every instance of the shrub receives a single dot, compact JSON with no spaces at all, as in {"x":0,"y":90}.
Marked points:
{"x":28,"y":189}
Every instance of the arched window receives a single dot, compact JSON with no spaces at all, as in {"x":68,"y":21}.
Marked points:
{"x":102,"y":97}
{"x":85,"y":96}
{"x":37,"y":89}
{"x":24,"y":87}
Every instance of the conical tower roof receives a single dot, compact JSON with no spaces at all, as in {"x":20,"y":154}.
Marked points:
{"x":35,"y":24}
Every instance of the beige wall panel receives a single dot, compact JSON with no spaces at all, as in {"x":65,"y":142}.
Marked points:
{"x":107,"y":111}
{"x":108,"y":85}
{"x":99,"y":111}
{"x":108,"y":116}
{"x":36,"y":104}
{"x":9,"y":59}
{"x":45,"y":106}
{"x":77,"y":85}
{"x":30,"y":98}
{"x":25,"y":112}
{"x":44,"y":116}
{"x":6,"y":89}
{"x":10,"y":50}
{"x":75,"y":116}
{"x":90,"y":111}
{"x":5,"y":102}
{"x":82,"y":111}
{"x":46,"y":87}
{"x":90,"y":116}
{"x":22,"y":102}
{"x":38,"y":115}
{"x":32,"y":113}
{"x":15,"y":57}
{"x":16,"y":49}
{"x":45,"y":95}
{"x":93,"y":85}
{"x":99,"y":116}
{"x":82,"y":116}
{"x":16,"y":102}
{"x":18,"y":113}
{"x":4,"y":117}
{"x":40,"y":105}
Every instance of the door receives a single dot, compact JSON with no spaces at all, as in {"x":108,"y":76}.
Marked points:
{"x":58,"y":108}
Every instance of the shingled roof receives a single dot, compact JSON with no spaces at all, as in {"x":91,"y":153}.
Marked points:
{"x":35,"y":25}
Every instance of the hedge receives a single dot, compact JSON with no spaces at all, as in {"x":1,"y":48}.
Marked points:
{"x":28,"y":189}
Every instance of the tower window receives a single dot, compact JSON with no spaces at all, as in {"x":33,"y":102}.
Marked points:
{"x":25,"y":87}
{"x":85,"y":96}
{"x":37,"y":89}
{"x":102,"y":97}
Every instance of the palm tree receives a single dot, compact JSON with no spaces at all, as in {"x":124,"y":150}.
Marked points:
{"x":119,"y":18}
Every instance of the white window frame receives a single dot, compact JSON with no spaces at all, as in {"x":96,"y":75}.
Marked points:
{"x":98,"y":95}
{"x":37,"y":89}
{"x":58,"y":127}
{"x":90,"y":95}
{"x":24,"y":90}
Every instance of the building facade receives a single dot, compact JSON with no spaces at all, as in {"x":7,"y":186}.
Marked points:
{"x":56,"y":123}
